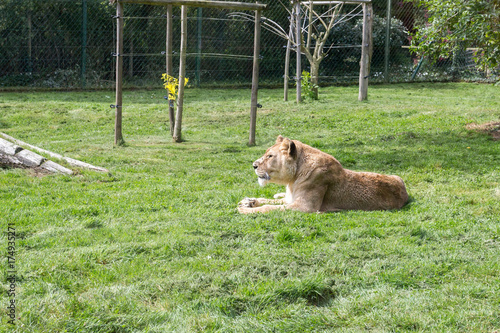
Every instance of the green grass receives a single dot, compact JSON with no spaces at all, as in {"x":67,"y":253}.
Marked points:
{"x":158,"y":246}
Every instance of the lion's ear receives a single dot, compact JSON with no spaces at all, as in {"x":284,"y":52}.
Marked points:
{"x":288,"y":147}
{"x":279,"y":139}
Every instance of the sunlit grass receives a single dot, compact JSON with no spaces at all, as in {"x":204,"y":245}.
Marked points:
{"x":158,"y":246}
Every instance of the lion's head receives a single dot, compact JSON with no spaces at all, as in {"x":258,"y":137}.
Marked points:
{"x":278,"y":164}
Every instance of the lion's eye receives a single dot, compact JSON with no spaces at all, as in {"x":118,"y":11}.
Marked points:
{"x":269,"y":156}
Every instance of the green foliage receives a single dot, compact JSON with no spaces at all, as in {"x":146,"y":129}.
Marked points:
{"x":457,"y":24}
{"x":398,"y":33}
{"x":158,"y":246}
{"x":53,"y":30}
{"x":350,"y":33}
{"x":308,"y":88}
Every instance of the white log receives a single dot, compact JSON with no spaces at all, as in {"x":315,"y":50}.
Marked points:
{"x":56,"y":168}
{"x":30,"y":158}
{"x":9,"y":160}
{"x":69,"y":160}
{"x":9,"y":148}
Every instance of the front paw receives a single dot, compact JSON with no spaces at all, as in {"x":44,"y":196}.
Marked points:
{"x":248,"y":203}
{"x":246,"y":210}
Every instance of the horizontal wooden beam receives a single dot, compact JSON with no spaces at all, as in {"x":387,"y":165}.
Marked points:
{"x":199,"y":3}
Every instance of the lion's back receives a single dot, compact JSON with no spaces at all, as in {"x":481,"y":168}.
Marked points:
{"x":367,"y":191}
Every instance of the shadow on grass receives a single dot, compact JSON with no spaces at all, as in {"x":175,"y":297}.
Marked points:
{"x":312,"y":292}
{"x":447,"y":150}
{"x":407,"y":86}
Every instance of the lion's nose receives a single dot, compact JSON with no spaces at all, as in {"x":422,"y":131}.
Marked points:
{"x":255,"y":166}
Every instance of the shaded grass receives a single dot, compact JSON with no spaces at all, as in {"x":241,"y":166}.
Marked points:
{"x":159,"y":247}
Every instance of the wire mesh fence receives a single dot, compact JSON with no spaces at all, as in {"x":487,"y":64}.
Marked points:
{"x":71,"y":44}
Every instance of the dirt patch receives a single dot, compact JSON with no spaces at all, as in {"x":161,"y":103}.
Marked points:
{"x":492,"y":128}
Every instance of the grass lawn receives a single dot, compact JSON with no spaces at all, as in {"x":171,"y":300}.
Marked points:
{"x":158,"y":246}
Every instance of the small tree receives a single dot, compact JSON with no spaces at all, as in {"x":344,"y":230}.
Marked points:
{"x":455,"y":24}
{"x":318,"y":22}
{"x":313,"y":43}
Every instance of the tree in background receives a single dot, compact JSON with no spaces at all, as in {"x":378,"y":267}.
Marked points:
{"x":455,"y":24}
{"x":316,"y":25}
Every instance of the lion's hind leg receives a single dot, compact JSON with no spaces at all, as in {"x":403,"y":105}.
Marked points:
{"x":280,"y":195}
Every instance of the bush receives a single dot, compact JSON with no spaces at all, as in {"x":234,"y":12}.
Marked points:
{"x":350,"y":33}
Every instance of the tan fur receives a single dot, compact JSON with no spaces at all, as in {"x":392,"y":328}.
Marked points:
{"x":317,"y":182}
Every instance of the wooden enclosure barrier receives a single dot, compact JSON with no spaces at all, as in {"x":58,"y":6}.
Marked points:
{"x":175,"y":126}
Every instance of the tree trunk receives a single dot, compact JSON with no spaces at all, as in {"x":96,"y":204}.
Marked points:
{"x":366,"y":51}
{"x":182,"y":74}
{"x":255,"y":78}
{"x":298,"y":39}
{"x":119,"y":75}
{"x":169,"y":65}
{"x":315,"y":78}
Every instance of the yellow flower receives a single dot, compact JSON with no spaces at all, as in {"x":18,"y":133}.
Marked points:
{"x":171,"y":84}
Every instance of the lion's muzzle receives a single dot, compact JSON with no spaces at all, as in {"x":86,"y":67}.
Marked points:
{"x":263,"y":176}
{"x":263,"y":180}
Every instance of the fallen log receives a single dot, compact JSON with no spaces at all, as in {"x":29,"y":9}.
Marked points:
{"x":69,"y":160}
{"x":30,"y":162}
{"x":9,"y":148}
{"x":9,"y":161}
{"x":56,"y":168}
{"x":30,"y":158}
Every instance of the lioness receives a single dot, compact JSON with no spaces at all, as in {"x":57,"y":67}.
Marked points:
{"x":316,"y":182}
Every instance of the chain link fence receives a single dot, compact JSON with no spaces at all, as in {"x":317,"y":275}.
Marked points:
{"x":70,"y":44}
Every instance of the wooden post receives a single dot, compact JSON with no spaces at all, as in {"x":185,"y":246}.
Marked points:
{"x":366,"y":51}
{"x":169,"y":69}
{"x":287,"y":62}
{"x":182,"y":74}
{"x":255,"y":78}
{"x":119,"y":74}
{"x":298,"y":41}
{"x":235,"y":5}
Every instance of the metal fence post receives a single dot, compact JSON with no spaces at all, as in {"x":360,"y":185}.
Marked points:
{"x":198,"y":47}
{"x":387,"y":53}
{"x":30,"y":37}
{"x":84,"y":44}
